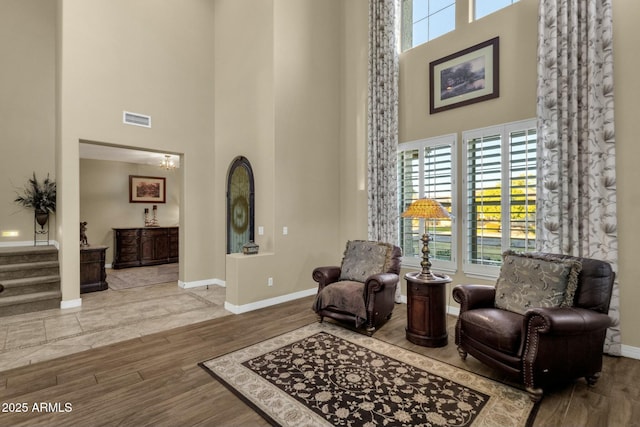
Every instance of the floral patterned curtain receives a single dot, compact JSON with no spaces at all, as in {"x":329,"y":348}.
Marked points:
{"x":383,"y":122}
{"x":576,"y":208}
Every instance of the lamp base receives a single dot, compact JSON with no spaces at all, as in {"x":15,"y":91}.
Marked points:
{"x":428,"y":275}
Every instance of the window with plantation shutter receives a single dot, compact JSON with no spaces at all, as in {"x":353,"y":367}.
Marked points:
{"x":500,"y":194}
{"x":426,"y":168}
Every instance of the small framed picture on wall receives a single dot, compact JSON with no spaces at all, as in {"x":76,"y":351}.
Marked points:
{"x":147,"y":189}
{"x":465,"y":77}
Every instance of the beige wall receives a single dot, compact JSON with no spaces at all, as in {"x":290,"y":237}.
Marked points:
{"x":517,"y":28}
{"x":27,"y":108}
{"x":278,"y":102}
{"x":353,"y":149}
{"x":626,"y":39}
{"x":147,"y":57}
{"x":104,"y":199}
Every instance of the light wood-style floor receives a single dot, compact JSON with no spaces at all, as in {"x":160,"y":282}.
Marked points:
{"x":155,"y":380}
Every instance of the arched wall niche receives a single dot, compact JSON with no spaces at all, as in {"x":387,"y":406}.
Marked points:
{"x":240,"y":204}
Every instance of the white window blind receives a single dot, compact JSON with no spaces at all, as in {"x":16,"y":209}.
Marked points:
{"x":499,"y":203}
{"x":426,"y":168}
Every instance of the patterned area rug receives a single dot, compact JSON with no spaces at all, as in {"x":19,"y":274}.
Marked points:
{"x":325,"y":375}
{"x":135,"y":277}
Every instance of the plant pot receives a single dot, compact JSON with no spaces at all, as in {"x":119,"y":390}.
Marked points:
{"x":42,"y":217}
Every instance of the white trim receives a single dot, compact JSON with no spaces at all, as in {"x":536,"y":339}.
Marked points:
{"x":239,"y":309}
{"x":454,"y":311}
{"x":630,"y":352}
{"x":489,"y":273}
{"x":73,"y":303}
{"x":198,"y":283}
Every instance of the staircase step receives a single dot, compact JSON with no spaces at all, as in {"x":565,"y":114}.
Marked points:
{"x":30,"y":269}
{"x":26,"y":254}
{"x":27,"y":285}
{"x":30,"y":277}
{"x":19,"y":304}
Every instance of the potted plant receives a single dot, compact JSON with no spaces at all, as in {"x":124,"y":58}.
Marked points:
{"x":40,"y":196}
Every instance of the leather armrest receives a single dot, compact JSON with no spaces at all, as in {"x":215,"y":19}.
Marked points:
{"x":377,"y":282}
{"x":326,"y":275}
{"x":474,"y":296}
{"x":566,"y":320}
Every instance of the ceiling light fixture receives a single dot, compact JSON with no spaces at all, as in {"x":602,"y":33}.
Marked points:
{"x":167,"y":163}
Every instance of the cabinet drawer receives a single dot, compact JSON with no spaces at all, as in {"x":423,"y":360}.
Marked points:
{"x":129,"y":249}
{"x":127,"y":233}
{"x":91,"y":256}
{"x":152,"y":232}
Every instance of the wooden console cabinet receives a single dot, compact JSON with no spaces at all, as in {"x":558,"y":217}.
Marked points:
{"x":93,"y":276}
{"x":426,"y":310}
{"x":136,"y":247}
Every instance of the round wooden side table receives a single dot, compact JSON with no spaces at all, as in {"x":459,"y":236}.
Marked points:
{"x":427,"y":310}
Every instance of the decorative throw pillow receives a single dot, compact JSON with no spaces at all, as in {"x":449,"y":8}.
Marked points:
{"x":536,"y":280}
{"x":364,"y":258}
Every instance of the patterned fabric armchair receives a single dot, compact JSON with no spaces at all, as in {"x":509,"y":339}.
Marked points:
{"x":361,"y":291}
{"x":545,"y":321}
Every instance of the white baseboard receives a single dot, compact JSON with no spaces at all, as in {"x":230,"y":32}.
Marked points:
{"x":630,"y":352}
{"x":73,"y":303}
{"x":239,"y":309}
{"x":198,"y":283}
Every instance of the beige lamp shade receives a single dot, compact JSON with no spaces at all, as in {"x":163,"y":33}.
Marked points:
{"x":427,"y":209}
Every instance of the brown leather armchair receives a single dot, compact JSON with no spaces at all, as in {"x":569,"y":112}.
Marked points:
{"x":362,"y":290}
{"x":545,"y":346}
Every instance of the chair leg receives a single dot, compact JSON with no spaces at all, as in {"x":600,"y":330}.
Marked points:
{"x":535,"y":394}
{"x":462,"y":352}
{"x":592,"y":379}
{"x":320,"y":319}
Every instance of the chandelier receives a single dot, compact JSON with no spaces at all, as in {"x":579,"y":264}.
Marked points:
{"x":167,"y":163}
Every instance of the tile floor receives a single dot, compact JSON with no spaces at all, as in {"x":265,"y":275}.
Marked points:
{"x":105,"y":317}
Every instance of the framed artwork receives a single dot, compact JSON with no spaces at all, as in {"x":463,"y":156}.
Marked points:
{"x":465,"y":77}
{"x":147,"y":189}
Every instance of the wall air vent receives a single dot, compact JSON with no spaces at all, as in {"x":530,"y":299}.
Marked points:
{"x":136,"y":119}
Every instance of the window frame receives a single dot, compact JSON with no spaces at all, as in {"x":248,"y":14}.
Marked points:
{"x":504,"y":131}
{"x":474,"y":6}
{"x":450,"y":140}
{"x":407,"y":24}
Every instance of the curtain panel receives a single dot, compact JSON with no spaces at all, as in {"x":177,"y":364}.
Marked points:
{"x":382,"y":122}
{"x":576,"y":209}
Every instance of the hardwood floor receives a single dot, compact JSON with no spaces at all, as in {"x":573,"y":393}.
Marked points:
{"x":155,"y":380}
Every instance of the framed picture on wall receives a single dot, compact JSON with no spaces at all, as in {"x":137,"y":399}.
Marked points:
{"x":147,"y":189}
{"x":465,"y":77}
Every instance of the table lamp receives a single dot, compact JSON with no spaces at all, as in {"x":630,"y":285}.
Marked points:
{"x":427,"y":209}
